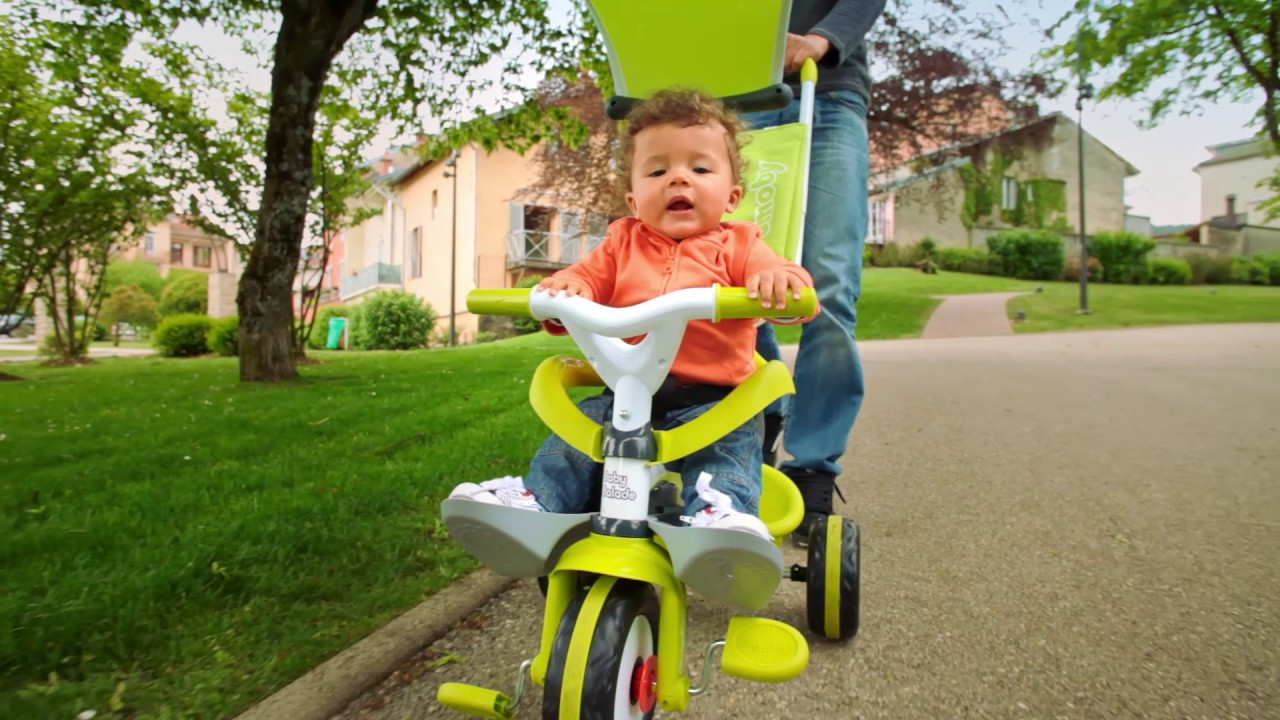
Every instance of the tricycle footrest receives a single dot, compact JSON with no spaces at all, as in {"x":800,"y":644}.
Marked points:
{"x":763,"y":650}
{"x":476,"y":701}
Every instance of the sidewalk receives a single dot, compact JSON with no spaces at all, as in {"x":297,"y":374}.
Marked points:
{"x":976,"y":315}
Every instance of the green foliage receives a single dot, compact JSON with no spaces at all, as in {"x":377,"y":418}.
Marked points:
{"x":1250,"y":271}
{"x":1122,"y":254}
{"x":183,"y":335}
{"x":224,"y":336}
{"x":320,"y":330}
{"x":1042,"y":204}
{"x":526,"y":325}
{"x":966,"y":260}
{"x":189,"y":293}
{"x":130,"y":304}
{"x":394,"y":320}
{"x":1209,"y":269}
{"x":1272,"y":262}
{"x":1028,"y":254}
{"x":892,"y":255}
{"x":139,"y":273}
{"x":927,"y":249}
{"x":1071,"y":272}
{"x":1189,"y":55}
{"x":1169,"y":271}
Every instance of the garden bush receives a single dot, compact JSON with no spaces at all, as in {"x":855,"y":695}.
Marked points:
{"x":142,"y":273}
{"x":1071,"y":271}
{"x":394,"y":320}
{"x":224,"y":336}
{"x":1250,"y":271}
{"x":1028,"y":254}
{"x":188,"y":295}
{"x":1123,"y":255}
{"x":183,"y":335}
{"x":1208,"y":269}
{"x":1168,"y":271}
{"x":1272,"y":261}
{"x":967,"y":260}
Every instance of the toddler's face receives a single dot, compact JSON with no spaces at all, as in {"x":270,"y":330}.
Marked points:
{"x":682,"y":179}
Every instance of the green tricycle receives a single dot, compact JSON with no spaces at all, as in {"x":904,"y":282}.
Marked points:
{"x":616,"y":580}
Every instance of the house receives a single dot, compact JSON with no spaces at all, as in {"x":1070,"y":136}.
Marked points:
{"x":176,"y":243}
{"x":459,"y":221}
{"x":1026,"y":176}
{"x":1229,"y":182}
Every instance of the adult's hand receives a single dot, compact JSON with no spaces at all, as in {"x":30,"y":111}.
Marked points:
{"x":804,"y":47}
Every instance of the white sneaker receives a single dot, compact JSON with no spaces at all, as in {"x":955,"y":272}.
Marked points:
{"x":719,"y":512}
{"x":508,"y":491}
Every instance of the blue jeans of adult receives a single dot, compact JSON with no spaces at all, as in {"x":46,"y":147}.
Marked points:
{"x":828,"y":371}
{"x":560,"y":476}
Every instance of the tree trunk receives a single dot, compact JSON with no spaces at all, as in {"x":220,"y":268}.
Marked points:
{"x":311,"y":35}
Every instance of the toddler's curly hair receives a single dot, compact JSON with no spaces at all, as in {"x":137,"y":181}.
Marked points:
{"x":683,"y":108}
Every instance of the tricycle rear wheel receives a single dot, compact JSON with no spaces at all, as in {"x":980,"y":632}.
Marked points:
{"x":833,"y":593}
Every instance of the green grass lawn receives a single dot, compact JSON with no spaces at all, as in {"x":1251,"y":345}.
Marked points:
{"x":1117,"y":306}
{"x":190,"y":544}
{"x":897,"y":302}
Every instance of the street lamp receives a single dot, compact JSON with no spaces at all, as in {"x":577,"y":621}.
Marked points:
{"x":452,"y":163}
{"x":1083,"y":91}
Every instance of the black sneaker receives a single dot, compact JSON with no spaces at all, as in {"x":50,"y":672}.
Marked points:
{"x":817,"y":488}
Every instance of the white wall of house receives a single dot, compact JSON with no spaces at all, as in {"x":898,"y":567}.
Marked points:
{"x":1237,"y":178}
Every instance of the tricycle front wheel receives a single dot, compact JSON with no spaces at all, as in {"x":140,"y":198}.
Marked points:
{"x":603,"y":660}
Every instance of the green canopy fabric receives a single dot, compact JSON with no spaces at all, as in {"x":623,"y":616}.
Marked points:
{"x":773,"y":183}
{"x":723,"y":47}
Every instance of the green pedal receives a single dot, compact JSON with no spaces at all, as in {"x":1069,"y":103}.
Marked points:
{"x":476,"y":701}
{"x":763,"y":650}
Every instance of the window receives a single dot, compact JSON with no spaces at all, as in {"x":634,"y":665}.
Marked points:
{"x":175,"y":253}
{"x":877,"y":221}
{"x":202,"y":256}
{"x":415,"y":253}
{"x":1009,"y":194}
{"x":435,"y":202}
{"x":149,"y":244}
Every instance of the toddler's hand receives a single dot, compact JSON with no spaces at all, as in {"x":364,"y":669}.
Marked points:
{"x":771,"y":287}
{"x":554,"y":285}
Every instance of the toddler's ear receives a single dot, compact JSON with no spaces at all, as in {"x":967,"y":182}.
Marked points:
{"x":735,"y":197}
{"x":631,"y":204}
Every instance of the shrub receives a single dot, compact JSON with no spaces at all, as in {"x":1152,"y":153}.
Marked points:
{"x":224,"y":336}
{"x":928,"y":267}
{"x":1169,"y":271}
{"x":1123,"y":255}
{"x":889,"y":255}
{"x":130,"y":304}
{"x":1028,"y":254}
{"x":1209,"y":269}
{"x":140,"y":273}
{"x":188,"y":295}
{"x":319,"y":336}
{"x":1250,"y":271}
{"x":1072,"y":270}
{"x":183,"y":335}
{"x":394,"y":320}
{"x":927,"y":248}
{"x":1272,"y":261}
{"x":526,"y":325}
{"x":967,"y":260}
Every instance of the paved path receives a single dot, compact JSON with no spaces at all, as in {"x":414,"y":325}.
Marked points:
{"x":1077,"y":525}
{"x":94,"y":351}
{"x":970,"y":316}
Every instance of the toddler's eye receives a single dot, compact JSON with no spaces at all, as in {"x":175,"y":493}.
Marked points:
{"x":702,"y":170}
{"x":657,"y":173}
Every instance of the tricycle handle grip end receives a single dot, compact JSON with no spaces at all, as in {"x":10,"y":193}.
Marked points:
{"x":499,"y":301}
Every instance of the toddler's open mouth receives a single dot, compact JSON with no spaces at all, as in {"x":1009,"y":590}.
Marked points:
{"x":679,"y":203}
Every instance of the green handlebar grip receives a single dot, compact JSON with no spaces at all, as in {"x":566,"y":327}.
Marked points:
{"x":809,"y":71}
{"x":499,"y":301}
{"x":732,"y":302}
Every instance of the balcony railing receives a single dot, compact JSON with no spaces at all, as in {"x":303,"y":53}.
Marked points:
{"x":371,"y":278}
{"x":545,"y":249}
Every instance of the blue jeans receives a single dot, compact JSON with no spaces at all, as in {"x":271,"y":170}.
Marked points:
{"x":561,"y":477}
{"x":828,"y":375}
